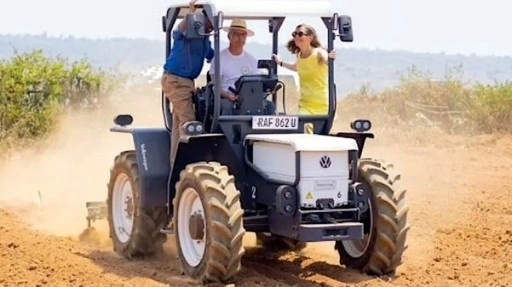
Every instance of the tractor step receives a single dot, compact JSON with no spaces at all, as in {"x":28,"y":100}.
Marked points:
{"x":168,"y":230}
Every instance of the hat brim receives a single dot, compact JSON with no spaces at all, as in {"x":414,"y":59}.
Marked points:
{"x":250,"y":32}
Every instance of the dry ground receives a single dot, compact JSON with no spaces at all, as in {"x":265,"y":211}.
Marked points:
{"x":459,"y":191}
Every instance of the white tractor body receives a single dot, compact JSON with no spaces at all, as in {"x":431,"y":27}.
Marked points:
{"x":320,"y":162}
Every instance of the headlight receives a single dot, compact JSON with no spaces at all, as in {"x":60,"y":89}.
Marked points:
{"x":193,"y":128}
{"x":361,"y":125}
{"x":286,"y":200}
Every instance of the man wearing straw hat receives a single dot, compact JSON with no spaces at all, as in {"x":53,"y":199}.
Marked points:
{"x":235,"y":62}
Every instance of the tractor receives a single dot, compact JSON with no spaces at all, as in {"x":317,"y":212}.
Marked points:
{"x":253,"y":171}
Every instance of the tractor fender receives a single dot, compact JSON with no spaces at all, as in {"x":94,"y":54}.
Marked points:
{"x":152,"y":147}
{"x":204,"y":148}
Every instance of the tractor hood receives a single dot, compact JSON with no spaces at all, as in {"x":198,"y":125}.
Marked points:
{"x":306,"y":142}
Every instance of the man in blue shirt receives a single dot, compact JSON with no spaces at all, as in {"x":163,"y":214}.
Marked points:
{"x":182,"y":67}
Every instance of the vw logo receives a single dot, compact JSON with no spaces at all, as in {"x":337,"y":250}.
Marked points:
{"x":325,"y":162}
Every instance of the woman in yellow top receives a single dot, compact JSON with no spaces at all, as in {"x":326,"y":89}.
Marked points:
{"x":312,"y":68}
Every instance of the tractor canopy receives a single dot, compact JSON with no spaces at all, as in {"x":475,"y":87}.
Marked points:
{"x":274,"y":12}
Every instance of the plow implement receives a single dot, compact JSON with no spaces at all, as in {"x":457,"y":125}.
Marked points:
{"x":96,"y":210}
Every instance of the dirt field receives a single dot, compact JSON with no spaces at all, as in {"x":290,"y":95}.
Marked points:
{"x":459,"y":192}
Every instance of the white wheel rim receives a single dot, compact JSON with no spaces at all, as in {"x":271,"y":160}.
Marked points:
{"x":357,"y":248}
{"x":122,"y":208}
{"x":192,"y":250}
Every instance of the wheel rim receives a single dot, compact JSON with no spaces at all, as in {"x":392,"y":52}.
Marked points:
{"x":190,"y":205}
{"x":357,"y":248}
{"x":123,"y":208}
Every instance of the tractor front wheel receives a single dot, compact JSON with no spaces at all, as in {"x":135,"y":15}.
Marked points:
{"x":208,"y":222}
{"x":380,"y":251}
{"x":135,"y":231}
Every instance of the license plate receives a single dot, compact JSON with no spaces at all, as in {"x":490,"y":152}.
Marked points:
{"x":275,"y":123}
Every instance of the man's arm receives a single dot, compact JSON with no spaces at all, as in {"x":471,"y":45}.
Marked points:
{"x":209,"y":51}
{"x":182,"y":26}
{"x":223,"y":93}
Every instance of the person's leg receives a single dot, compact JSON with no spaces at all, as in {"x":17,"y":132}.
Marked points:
{"x":179,"y":92}
{"x":313,"y":109}
{"x":175,"y":136}
{"x":303,"y":110}
{"x":168,"y":86}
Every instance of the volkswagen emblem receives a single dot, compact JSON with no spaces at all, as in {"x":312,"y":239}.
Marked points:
{"x":325,"y":162}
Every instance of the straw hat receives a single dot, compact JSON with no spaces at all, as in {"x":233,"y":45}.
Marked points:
{"x":239,"y":24}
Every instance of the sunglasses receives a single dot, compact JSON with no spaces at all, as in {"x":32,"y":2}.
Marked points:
{"x":300,"y":34}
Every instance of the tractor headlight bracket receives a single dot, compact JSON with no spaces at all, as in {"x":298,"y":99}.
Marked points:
{"x":286,"y":200}
{"x":359,"y":195}
{"x":193,"y":128}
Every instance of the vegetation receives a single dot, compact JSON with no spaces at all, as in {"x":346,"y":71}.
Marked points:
{"x":353,"y":67}
{"x":450,"y":104}
{"x":35,"y":89}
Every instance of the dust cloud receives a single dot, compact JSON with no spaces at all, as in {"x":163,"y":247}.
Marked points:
{"x":50,"y":183}
{"x":457,"y":188}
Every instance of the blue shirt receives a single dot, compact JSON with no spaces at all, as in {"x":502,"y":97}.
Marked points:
{"x":186,"y":58}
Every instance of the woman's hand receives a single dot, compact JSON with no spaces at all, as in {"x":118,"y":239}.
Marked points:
{"x":332,"y":54}
{"x":277,"y":58}
{"x":289,"y":66}
{"x":323,"y":56}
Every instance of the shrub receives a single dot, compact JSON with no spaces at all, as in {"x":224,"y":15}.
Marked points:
{"x":34,"y":89}
{"x":448,"y":104}
{"x":490,"y":108}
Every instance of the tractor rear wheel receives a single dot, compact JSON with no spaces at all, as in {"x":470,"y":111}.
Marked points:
{"x":135,"y":231}
{"x":278,"y":243}
{"x":380,"y":251}
{"x":208,"y":222}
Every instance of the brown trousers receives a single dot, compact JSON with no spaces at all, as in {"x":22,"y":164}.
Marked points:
{"x":178,"y":91}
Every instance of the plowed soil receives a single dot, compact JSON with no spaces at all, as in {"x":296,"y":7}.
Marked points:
{"x":459,"y":192}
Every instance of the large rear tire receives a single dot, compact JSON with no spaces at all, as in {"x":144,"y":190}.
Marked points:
{"x":208,"y":222}
{"x":135,"y":232}
{"x":380,"y":252}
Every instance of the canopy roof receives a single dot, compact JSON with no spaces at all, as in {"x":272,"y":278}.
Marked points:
{"x":261,"y":9}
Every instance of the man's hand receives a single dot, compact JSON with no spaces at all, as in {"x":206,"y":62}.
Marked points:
{"x":182,"y":26}
{"x":231,"y":97}
{"x":192,"y":6}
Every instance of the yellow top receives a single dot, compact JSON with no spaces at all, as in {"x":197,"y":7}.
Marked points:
{"x":314,"y":87}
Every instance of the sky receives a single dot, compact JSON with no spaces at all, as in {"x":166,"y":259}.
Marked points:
{"x":433,"y":26}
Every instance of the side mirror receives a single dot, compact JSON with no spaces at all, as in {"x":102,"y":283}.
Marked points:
{"x":345,"y":28}
{"x":195,"y":26}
